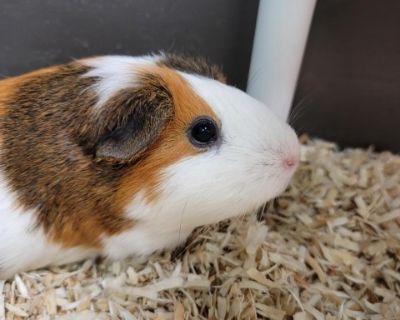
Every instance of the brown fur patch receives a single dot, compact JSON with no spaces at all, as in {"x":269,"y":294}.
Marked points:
{"x":45,"y":164}
{"x":50,"y":135}
{"x":9,"y":86}
{"x":195,"y":65}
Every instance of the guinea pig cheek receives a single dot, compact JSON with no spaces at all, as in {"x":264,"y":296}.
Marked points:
{"x":146,"y":178}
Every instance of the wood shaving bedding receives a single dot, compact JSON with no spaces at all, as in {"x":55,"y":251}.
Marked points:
{"x":328,"y":248}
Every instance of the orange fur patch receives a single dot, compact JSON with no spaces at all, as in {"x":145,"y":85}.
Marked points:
{"x":172,"y":145}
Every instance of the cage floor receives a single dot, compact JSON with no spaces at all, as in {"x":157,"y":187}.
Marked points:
{"x":328,"y":248}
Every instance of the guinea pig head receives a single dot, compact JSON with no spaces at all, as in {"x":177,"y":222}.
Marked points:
{"x":197,"y":150}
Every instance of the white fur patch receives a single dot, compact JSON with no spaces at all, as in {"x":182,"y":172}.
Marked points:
{"x":115,"y":73}
{"x":23,"y":247}
{"x":150,"y":233}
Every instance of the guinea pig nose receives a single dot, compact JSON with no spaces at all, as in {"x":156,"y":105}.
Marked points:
{"x":289,"y":162}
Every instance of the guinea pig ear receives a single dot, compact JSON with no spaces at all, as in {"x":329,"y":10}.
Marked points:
{"x":132,"y":120}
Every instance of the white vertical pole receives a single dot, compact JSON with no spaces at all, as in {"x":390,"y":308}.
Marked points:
{"x":280,"y":38}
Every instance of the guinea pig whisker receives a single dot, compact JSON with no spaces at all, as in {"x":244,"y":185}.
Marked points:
{"x":266,"y":164}
{"x":297,"y":111}
{"x":191,"y":242}
{"x":294,"y":112}
{"x":255,"y":75}
{"x":242,"y":217}
{"x":296,"y":108}
{"x":263,"y":210}
{"x":181,"y":221}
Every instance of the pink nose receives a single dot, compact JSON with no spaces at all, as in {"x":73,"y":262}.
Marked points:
{"x":290,"y":162}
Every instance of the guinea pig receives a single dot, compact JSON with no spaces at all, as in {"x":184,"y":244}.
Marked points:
{"x":122,"y":156}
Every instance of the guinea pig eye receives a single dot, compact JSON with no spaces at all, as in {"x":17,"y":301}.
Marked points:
{"x":203,"y":132}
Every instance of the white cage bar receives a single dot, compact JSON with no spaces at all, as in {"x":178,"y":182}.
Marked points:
{"x":279,"y":42}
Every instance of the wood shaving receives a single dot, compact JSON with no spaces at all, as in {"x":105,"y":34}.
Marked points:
{"x":328,"y":248}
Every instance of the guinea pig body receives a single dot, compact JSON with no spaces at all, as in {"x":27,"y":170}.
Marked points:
{"x":121,"y":156}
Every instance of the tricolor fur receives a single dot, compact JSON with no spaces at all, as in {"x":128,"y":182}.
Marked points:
{"x":95,"y":158}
